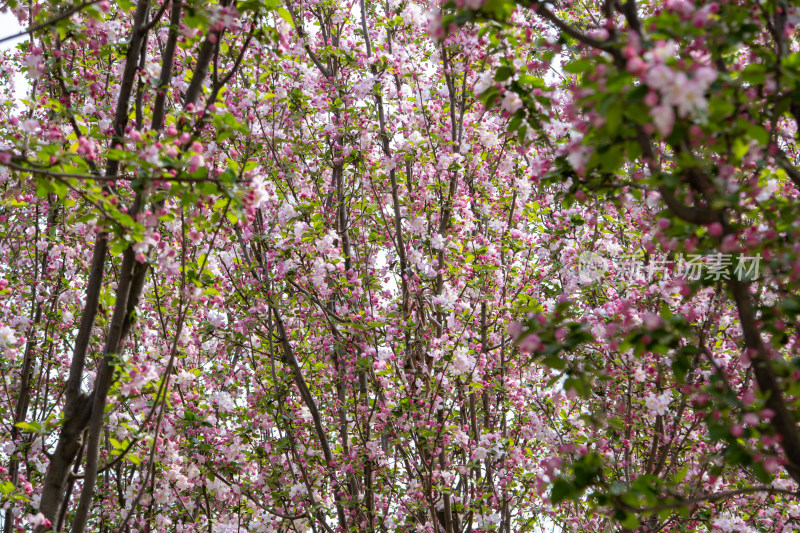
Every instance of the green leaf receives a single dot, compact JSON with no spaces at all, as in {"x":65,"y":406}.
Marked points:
{"x":762,"y":475}
{"x":561,"y":491}
{"x":754,"y":73}
{"x":503,"y":73}
{"x":740,"y":147}
{"x":208,"y":188}
{"x":680,"y":366}
{"x":614,"y":117}
{"x":553,"y":361}
{"x":118,"y":246}
{"x":284,"y":14}
{"x":578,"y":66}
{"x":758,"y":133}
{"x":33,"y":427}
{"x":133,"y":458}
{"x":790,"y":305}
{"x":499,"y":9}
{"x":631,"y":521}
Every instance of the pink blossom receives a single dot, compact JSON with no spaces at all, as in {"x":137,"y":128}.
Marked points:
{"x":659,"y":403}
{"x":684,"y":7}
{"x":688,"y":96}
{"x":715,"y":229}
{"x":705,"y":76}
{"x":663,"y":51}
{"x":196,"y":162}
{"x":35,"y":63}
{"x":771,"y":465}
{"x":30,"y":125}
{"x":750,"y":419}
{"x":7,"y":336}
{"x":511,"y":102}
{"x":663,"y":118}
{"x":38,"y":519}
{"x":530,"y":343}
{"x":435,"y":28}
{"x":660,"y":77}
{"x":485,"y":81}
{"x":636,"y":65}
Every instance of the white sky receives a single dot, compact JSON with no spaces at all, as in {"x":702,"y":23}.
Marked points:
{"x":10,"y":26}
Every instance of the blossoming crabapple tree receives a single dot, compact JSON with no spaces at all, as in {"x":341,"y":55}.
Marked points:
{"x":267,"y":267}
{"x":260,"y":262}
{"x":105,"y":152}
{"x":680,"y":118}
